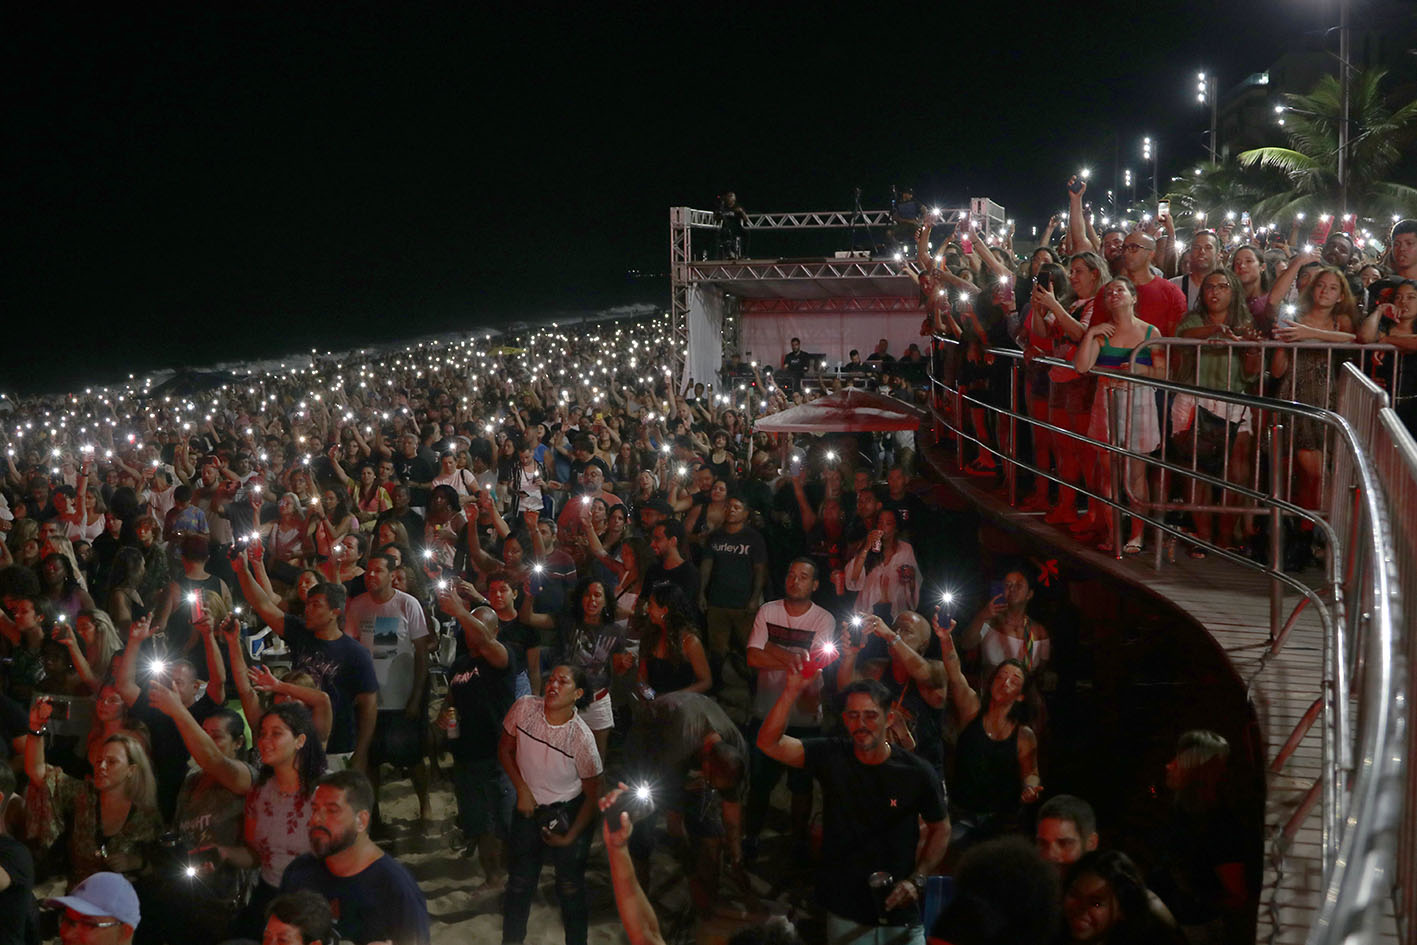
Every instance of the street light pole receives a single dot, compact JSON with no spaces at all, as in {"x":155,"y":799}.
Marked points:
{"x":1151,"y":152}
{"x":1206,"y":94}
{"x":1343,"y":85}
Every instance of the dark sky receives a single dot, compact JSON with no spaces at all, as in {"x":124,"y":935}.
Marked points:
{"x":192,"y":183}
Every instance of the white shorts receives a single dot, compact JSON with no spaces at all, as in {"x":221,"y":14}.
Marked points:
{"x":598,"y":714}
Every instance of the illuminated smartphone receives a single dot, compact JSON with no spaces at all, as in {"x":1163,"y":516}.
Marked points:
{"x":1164,"y":207}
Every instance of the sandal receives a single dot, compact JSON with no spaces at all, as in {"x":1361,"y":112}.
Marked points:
{"x":1132,"y":547}
{"x":980,"y":468}
{"x":1196,"y":551}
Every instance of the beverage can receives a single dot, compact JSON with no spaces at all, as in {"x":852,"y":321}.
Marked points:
{"x":448,"y":722}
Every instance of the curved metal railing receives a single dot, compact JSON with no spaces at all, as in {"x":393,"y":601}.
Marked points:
{"x":1368,"y":793}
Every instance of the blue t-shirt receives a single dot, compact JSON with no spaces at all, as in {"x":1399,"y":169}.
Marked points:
{"x":380,"y":903}
{"x":341,"y":667}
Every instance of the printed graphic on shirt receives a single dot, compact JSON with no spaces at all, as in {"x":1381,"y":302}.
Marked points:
{"x":797,"y":638}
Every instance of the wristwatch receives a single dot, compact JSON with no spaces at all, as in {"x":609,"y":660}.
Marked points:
{"x":918,"y":881}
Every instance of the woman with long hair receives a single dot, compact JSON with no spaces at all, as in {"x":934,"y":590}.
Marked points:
{"x":996,"y":754}
{"x":157,"y":570}
{"x":1247,"y":262}
{"x":672,"y":656}
{"x":1393,"y":321}
{"x":1217,"y":436}
{"x":284,"y":538}
{"x":125,"y":603}
{"x":277,"y":801}
{"x":1325,"y":312}
{"x":1069,"y":393}
{"x":60,"y":587}
{"x":1116,"y":335}
{"x":112,"y":819}
{"x":443,"y":526}
{"x":884,"y":572}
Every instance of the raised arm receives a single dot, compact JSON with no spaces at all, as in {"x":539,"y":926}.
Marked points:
{"x":961,"y":694}
{"x":479,"y":639}
{"x":636,"y":913}
{"x":316,"y":700}
{"x":773,"y":739}
{"x":126,"y":681}
{"x":250,"y":702}
{"x":1077,"y":218}
{"x":257,"y":597}
{"x":228,"y":772}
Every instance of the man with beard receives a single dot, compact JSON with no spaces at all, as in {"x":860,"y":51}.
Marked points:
{"x":373,"y":896}
{"x":884,"y":821}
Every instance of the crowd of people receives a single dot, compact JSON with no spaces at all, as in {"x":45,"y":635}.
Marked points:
{"x":231,"y":614}
{"x":1238,"y":309}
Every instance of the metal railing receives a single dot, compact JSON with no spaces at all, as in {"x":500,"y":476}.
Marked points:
{"x":1369,"y":469}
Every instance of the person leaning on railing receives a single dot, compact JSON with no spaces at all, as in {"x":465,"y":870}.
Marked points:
{"x":1393,"y":321}
{"x":1214,"y":434}
{"x":1324,"y":313}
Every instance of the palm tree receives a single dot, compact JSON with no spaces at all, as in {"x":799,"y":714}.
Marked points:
{"x":1214,"y":189}
{"x":1378,"y":134}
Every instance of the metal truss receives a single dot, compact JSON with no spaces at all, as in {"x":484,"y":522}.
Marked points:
{"x":883,"y":305}
{"x":680,"y":255}
{"x":684,"y":272}
{"x":794,"y":270}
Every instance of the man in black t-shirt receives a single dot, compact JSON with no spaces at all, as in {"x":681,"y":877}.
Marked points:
{"x":666,"y":541}
{"x":414,"y":469}
{"x":873,"y":799}
{"x":374,"y":897}
{"x":733,"y":572}
{"x":909,"y":510}
{"x":340,"y":665}
{"x":480,"y":691}
{"x":796,"y":361}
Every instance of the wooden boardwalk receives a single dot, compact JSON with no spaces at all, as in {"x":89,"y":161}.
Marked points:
{"x":1232,"y":604}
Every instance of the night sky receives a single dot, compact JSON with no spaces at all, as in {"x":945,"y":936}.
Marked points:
{"x":196,"y":183}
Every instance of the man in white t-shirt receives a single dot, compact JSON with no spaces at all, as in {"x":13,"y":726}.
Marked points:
{"x":785,"y":634}
{"x":391,"y":624}
{"x":460,"y":481}
{"x":550,"y":756}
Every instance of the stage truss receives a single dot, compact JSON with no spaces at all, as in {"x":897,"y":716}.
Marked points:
{"x":852,"y":282}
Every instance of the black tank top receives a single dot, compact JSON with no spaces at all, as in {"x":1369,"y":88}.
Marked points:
{"x":986,"y":777}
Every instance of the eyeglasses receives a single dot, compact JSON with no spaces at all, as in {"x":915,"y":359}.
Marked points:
{"x":1132,"y":247}
{"x":86,"y":923}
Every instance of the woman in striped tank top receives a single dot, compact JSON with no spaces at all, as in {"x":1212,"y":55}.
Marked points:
{"x":1115,"y":333}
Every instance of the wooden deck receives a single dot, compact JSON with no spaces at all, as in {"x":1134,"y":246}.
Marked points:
{"x":1232,"y":604}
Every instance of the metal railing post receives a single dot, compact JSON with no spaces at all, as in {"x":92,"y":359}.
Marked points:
{"x":1117,"y":465}
{"x":959,"y":426}
{"x":1276,"y":529}
{"x":1010,"y":467}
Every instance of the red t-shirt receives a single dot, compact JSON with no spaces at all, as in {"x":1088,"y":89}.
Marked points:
{"x":1161,"y":303}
